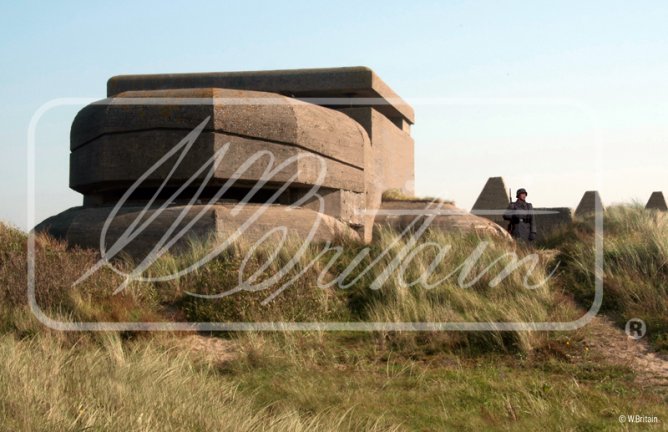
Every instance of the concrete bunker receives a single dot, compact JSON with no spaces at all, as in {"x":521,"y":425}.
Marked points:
{"x":292,"y":116}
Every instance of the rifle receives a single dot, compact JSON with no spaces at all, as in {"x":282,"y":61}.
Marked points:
{"x":510,"y":222}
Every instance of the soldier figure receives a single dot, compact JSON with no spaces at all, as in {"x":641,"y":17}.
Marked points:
{"x":520,"y":214}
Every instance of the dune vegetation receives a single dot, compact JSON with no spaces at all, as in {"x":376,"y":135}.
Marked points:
{"x":337,"y":380}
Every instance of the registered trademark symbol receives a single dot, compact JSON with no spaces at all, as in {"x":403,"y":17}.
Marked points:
{"x":635,"y":328}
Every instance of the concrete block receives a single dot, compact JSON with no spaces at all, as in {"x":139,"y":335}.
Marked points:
{"x":657,"y":202}
{"x":82,"y":226}
{"x":248,"y":114}
{"x":494,"y":196}
{"x":346,"y":206}
{"x":548,"y":223}
{"x":288,"y":113}
{"x":114,"y":162}
{"x":341,"y":83}
{"x":459,"y":221}
{"x":588,"y":204}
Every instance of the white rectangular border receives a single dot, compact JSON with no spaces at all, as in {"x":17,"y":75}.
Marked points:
{"x":310,"y":326}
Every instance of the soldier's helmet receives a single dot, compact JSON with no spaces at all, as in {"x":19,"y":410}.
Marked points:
{"x":520,"y":191}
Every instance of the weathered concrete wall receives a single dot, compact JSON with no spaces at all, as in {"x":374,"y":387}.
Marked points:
{"x":347,"y":206}
{"x":116,"y":161}
{"x":366,"y":150}
{"x":82,"y":226}
{"x":547,"y":223}
{"x":392,"y":150}
{"x":344,"y":83}
{"x":456,"y":220}
{"x":248,"y":114}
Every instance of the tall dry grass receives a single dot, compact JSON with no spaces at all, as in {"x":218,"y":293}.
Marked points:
{"x":115,"y":385}
{"x":323,"y":380}
{"x":409,"y":294}
{"x":635,"y":255}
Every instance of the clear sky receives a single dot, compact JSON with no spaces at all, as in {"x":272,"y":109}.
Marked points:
{"x":524,"y":90}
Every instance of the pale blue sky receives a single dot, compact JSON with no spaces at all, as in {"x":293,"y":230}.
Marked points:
{"x":610,"y":57}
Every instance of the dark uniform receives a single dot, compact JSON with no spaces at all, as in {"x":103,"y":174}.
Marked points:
{"x":522,"y":221}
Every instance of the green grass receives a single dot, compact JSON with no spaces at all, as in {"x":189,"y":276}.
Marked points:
{"x":445,"y":391}
{"x":399,"y":195}
{"x":110,"y":385}
{"x":303,"y":381}
{"x":334,"y":380}
{"x":635,"y":255}
{"x":406,"y":296}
